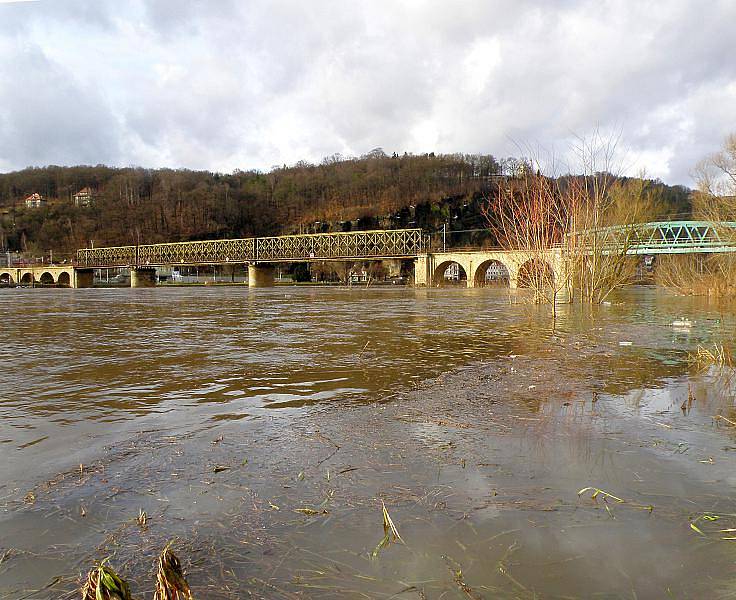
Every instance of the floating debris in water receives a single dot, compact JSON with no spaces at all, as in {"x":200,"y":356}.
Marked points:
{"x":390,"y":533}
{"x":171,"y":584}
{"x":606,"y":496}
{"x":103,"y":583}
{"x":682,"y":322}
{"x":310,"y":512}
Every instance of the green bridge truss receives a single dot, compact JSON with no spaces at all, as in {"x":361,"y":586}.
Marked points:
{"x":666,"y":237}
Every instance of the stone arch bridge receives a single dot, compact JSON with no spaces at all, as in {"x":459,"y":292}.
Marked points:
{"x":47,"y":275}
{"x":473,"y":265}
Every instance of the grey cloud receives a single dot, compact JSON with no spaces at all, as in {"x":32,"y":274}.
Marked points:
{"x":20,"y":17}
{"x":48,"y":117}
{"x":226,"y":84}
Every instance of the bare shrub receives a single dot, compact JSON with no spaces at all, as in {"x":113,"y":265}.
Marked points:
{"x":590,"y":218}
{"x":715,"y":202}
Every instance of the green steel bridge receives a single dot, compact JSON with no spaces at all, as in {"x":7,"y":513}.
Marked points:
{"x":665,"y":237}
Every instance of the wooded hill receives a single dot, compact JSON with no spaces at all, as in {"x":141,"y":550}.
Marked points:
{"x":136,"y":205}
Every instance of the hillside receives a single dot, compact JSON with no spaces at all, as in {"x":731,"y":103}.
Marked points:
{"x":136,"y":205}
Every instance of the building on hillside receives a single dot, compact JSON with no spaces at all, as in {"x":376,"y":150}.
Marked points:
{"x":34,"y":201}
{"x":84,"y":197}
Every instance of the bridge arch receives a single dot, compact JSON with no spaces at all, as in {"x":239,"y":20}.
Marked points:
{"x":6,"y":278}
{"x":46,"y":278}
{"x":536,"y":273}
{"x":64,"y":279}
{"x":449,"y":272}
{"x":27,"y":278}
{"x":491,"y":272}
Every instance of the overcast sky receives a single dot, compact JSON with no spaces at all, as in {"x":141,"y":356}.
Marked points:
{"x":237,"y":84}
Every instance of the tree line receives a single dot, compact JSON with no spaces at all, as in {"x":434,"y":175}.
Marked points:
{"x":137,"y":205}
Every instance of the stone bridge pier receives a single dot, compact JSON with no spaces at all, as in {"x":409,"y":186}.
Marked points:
{"x":141,"y":277}
{"x":260,"y":275}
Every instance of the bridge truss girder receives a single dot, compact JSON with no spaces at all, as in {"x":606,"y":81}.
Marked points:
{"x":359,"y":245}
{"x":666,"y":237}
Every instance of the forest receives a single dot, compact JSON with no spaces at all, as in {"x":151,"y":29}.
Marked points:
{"x":137,"y":205}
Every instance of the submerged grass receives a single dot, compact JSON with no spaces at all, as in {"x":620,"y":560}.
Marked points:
{"x":703,"y":525}
{"x":170,"y":581}
{"x":390,"y":533}
{"x":606,"y":496}
{"x":706,"y":357}
{"x":103,"y":583}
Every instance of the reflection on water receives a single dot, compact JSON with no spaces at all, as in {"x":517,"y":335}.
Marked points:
{"x":144,"y":382}
{"x":177,"y":359}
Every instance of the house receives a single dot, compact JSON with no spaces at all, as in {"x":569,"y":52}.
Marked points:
{"x":84,"y":197}
{"x":358,"y":276}
{"x":34,"y":201}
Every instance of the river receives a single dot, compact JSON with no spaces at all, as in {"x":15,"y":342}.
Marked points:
{"x":262,"y":428}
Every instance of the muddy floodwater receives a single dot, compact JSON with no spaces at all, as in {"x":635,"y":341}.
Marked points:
{"x":263,"y":431}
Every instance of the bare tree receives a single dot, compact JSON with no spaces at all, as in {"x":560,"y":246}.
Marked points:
{"x":530,"y":217}
{"x":588,"y":221}
{"x":606,"y":225}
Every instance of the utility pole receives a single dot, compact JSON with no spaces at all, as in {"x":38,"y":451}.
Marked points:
{"x":444,"y":237}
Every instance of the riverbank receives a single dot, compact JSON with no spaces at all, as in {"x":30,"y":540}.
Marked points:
{"x":479,"y":468}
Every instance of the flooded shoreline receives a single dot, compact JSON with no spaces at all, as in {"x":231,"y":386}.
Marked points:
{"x":271,"y":480}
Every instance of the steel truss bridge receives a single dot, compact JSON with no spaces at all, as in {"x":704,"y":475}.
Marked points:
{"x":366,"y":245}
{"x":661,"y":237}
{"x":664,"y":237}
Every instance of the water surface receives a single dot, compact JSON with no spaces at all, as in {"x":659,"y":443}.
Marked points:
{"x":323,"y":398}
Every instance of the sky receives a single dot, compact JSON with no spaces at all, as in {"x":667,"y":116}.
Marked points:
{"x":238,"y":84}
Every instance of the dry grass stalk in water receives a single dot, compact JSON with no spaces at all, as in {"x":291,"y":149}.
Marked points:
{"x":698,"y":275}
{"x":390,"y":533}
{"x":104,"y":584}
{"x":705,"y":358}
{"x":170,"y":581}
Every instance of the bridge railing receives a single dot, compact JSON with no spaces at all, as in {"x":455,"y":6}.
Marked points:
{"x":103,"y":257}
{"x":398,"y":243}
{"x":661,"y":236}
{"x":201,"y":252}
{"x":349,"y":245}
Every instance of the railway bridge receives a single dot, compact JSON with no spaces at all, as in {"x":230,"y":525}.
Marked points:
{"x":262,"y":254}
{"x":430,"y":266}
